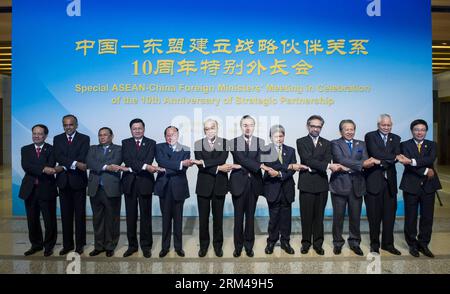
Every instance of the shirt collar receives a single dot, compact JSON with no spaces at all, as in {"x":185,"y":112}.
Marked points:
{"x":73,"y":135}
{"x":417,"y":142}
{"x":36,"y":146}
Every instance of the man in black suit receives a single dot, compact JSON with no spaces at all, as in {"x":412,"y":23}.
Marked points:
{"x":39,"y":191}
{"x":348,"y":185}
{"x":211,"y":154}
{"x":246,"y":184}
{"x":419,"y":184}
{"x":381,"y":185}
{"x":279,"y":189}
{"x":71,"y":148}
{"x":103,"y":161}
{"x":138,"y":153}
{"x":315,"y":154}
{"x":172,"y":188}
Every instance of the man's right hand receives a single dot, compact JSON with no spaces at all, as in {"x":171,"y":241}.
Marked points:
{"x":187,"y":163}
{"x":225,"y":167}
{"x":430,"y":173}
{"x":113,"y":168}
{"x":49,"y":171}
{"x":81,"y":166}
{"x":151,"y":168}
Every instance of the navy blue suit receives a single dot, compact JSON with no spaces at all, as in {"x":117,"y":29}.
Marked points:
{"x":172,"y":189}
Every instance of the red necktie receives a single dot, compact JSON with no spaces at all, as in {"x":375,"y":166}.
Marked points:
{"x":138,"y":145}
{"x":38,"y":153}
{"x":69,"y":140}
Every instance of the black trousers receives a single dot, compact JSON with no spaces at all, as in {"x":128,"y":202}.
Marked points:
{"x":205,"y":205}
{"x":280,"y":220}
{"x":132,"y":201}
{"x":244,"y":206}
{"x":381,"y":209}
{"x":106,"y":220}
{"x":172,"y":213}
{"x":34,"y":207}
{"x":424,"y":203}
{"x":73,"y":207}
{"x":312,"y":210}
{"x":354,"y":204}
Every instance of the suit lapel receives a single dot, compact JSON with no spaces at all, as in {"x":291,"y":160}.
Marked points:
{"x":344,"y":146}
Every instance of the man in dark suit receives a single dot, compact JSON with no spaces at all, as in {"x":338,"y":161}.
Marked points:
{"x":246,"y":184}
{"x":103,"y":162}
{"x":172,"y":188}
{"x":279,"y":189}
{"x":138,"y":153}
{"x":315,"y":154}
{"x":71,"y":148}
{"x":211,"y":154}
{"x":38,"y":189}
{"x":381,"y":184}
{"x":348,"y":186}
{"x":419,"y":184}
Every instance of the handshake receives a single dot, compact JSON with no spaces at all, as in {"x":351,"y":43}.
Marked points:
{"x":368,"y":163}
{"x":52,"y":170}
{"x":117,"y":168}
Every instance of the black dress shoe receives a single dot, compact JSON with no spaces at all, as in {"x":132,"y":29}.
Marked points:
{"x":337,"y":250}
{"x":249,"y":252}
{"x":237,"y":252}
{"x":287,"y":248}
{"x":95,"y":252}
{"x":319,"y":250}
{"x":426,"y":251}
{"x":180,"y":252}
{"x":374,"y":250}
{"x":392,"y":250}
{"x":64,"y":251}
{"x":32,"y":251}
{"x":414,"y":252}
{"x":147,"y":253}
{"x":79,"y":250}
{"x":304,"y":249}
{"x":109,"y":253}
{"x":269,"y":248}
{"x":163,"y":252}
{"x":202,"y":252}
{"x":129,"y":252}
{"x":357,"y":250}
{"x":218,"y":252}
{"x":48,"y":252}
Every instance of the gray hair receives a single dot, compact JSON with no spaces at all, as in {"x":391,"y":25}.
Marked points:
{"x":211,"y":120}
{"x":383,"y":116}
{"x":275,"y":129}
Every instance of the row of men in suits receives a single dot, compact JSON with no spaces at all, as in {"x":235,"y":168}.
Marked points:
{"x":353,"y":175}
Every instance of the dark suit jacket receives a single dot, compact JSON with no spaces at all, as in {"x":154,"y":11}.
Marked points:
{"x":173,"y":176}
{"x":66,"y":154}
{"x":285,"y":183}
{"x":342,"y":182}
{"x":386,"y":154}
{"x":413,"y":178}
{"x":208,"y":181}
{"x":317,"y":158}
{"x":142,"y":179}
{"x":33,"y":166}
{"x":95,"y":161}
{"x":250,"y":161}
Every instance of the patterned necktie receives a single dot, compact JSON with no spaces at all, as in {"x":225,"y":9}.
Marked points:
{"x":349,"y":143}
{"x":385,"y":139}
{"x":211,"y":145}
{"x":105,"y":148}
{"x":38,"y":152}
{"x":138,"y":145}
{"x":315,"y":141}
{"x":69,"y":140}
{"x":419,"y":147}
{"x":280,"y":155}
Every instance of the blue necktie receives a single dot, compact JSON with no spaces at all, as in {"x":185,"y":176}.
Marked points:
{"x":349,"y":143}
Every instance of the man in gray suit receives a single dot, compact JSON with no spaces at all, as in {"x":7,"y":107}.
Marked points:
{"x":103,"y":162}
{"x":347,"y":186}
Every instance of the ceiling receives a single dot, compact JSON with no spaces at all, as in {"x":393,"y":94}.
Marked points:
{"x":440,"y":26}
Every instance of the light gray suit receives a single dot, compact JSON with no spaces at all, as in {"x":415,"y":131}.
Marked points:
{"x":104,"y":190}
{"x":347,"y":188}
